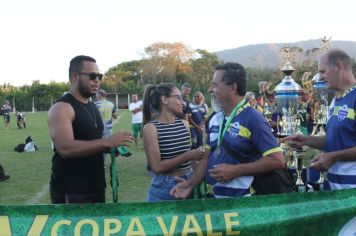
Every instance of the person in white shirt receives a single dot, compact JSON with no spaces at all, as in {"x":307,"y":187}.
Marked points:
{"x":136,"y":109}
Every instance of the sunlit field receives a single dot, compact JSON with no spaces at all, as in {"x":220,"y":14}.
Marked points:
{"x":30,"y":172}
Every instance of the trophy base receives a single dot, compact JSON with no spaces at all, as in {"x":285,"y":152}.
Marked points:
{"x":282,"y":135}
{"x":320,"y":186}
{"x":301,"y":188}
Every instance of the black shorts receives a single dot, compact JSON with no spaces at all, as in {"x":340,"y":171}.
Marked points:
{"x":7,"y":118}
{"x":69,"y":198}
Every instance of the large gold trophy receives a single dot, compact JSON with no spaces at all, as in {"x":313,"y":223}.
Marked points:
{"x":321,"y":95}
{"x":320,"y":117}
{"x":288,"y":99}
{"x":321,"y":114}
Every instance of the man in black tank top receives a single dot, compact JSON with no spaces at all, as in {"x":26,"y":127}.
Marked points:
{"x":76,"y":129}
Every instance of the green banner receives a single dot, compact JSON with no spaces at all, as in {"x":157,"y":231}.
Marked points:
{"x":318,"y":213}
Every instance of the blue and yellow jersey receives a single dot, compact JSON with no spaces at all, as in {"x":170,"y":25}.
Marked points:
{"x":250,"y":136}
{"x":341,"y":134}
{"x":198,"y":112}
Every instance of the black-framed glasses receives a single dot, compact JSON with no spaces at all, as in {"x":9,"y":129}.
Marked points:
{"x":92,"y":75}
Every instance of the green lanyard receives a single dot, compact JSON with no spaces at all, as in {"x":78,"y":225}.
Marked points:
{"x":227,"y":124}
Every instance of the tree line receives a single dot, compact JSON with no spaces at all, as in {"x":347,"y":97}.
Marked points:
{"x":161,"y":62}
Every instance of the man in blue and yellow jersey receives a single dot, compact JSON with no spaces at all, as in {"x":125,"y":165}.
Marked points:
{"x":238,"y":129}
{"x":339,"y":143}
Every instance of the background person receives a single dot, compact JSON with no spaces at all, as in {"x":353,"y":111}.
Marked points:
{"x":20,"y":120}
{"x":107,"y":110}
{"x":76,"y":129}
{"x":339,"y":143}
{"x":261,"y":90}
{"x":6,"y":109}
{"x":197,"y":114}
{"x":166,"y":140}
{"x":250,"y":98}
{"x":237,"y":129}
{"x":136,"y":109}
{"x":185,"y":91}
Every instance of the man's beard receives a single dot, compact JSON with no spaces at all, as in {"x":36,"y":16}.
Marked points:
{"x":84,"y":91}
{"x":214,"y":104}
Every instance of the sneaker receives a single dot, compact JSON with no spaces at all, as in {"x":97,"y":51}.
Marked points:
{"x":5,"y":177}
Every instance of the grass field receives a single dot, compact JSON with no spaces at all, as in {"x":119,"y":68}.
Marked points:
{"x":30,"y":172}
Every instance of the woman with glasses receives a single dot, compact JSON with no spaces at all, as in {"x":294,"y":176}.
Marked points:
{"x":166,"y":140}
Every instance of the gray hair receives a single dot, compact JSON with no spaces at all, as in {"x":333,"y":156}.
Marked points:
{"x":261,"y":84}
{"x":186,"y":85}
{"x":249,"y":95}
{"x":202,"y":95}
{"x":335,"y":56}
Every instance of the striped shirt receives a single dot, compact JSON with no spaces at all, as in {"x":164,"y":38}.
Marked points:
{"x":173,"y":140}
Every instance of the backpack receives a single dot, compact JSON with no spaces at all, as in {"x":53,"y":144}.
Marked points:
{"x":30,"y":146}
{"x":20,"y":147}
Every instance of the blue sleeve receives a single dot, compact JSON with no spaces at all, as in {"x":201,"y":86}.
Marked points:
{"x":262,"y":136}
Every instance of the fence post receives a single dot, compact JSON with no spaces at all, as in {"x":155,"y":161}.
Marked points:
{"x":13,"y":105}
{"x":117,"y":101}
{"x":33,"y":104}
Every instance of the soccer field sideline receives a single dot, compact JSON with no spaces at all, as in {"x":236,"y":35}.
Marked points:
{"x":30,"y":172}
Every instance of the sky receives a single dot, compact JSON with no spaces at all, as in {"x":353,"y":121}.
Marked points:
{"x":40,"y":37}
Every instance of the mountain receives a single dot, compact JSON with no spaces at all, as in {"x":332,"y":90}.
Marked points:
{"x":269,"y":55}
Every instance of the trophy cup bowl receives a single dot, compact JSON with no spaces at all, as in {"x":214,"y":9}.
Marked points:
{"x":288,"y":99}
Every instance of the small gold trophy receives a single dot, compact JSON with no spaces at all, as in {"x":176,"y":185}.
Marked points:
{"x":320,"y":181}
{"x":320,"y":132}
{"x":298,"y":156}
{"x":288,"y":155}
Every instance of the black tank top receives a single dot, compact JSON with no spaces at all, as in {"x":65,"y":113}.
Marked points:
{"x":173,"y":140}
{"x":82,"y":174}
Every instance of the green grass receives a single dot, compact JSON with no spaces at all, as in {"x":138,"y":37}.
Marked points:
{"x":30,"y":172}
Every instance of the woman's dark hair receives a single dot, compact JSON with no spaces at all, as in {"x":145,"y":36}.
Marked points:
{"x":152,"y":99}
